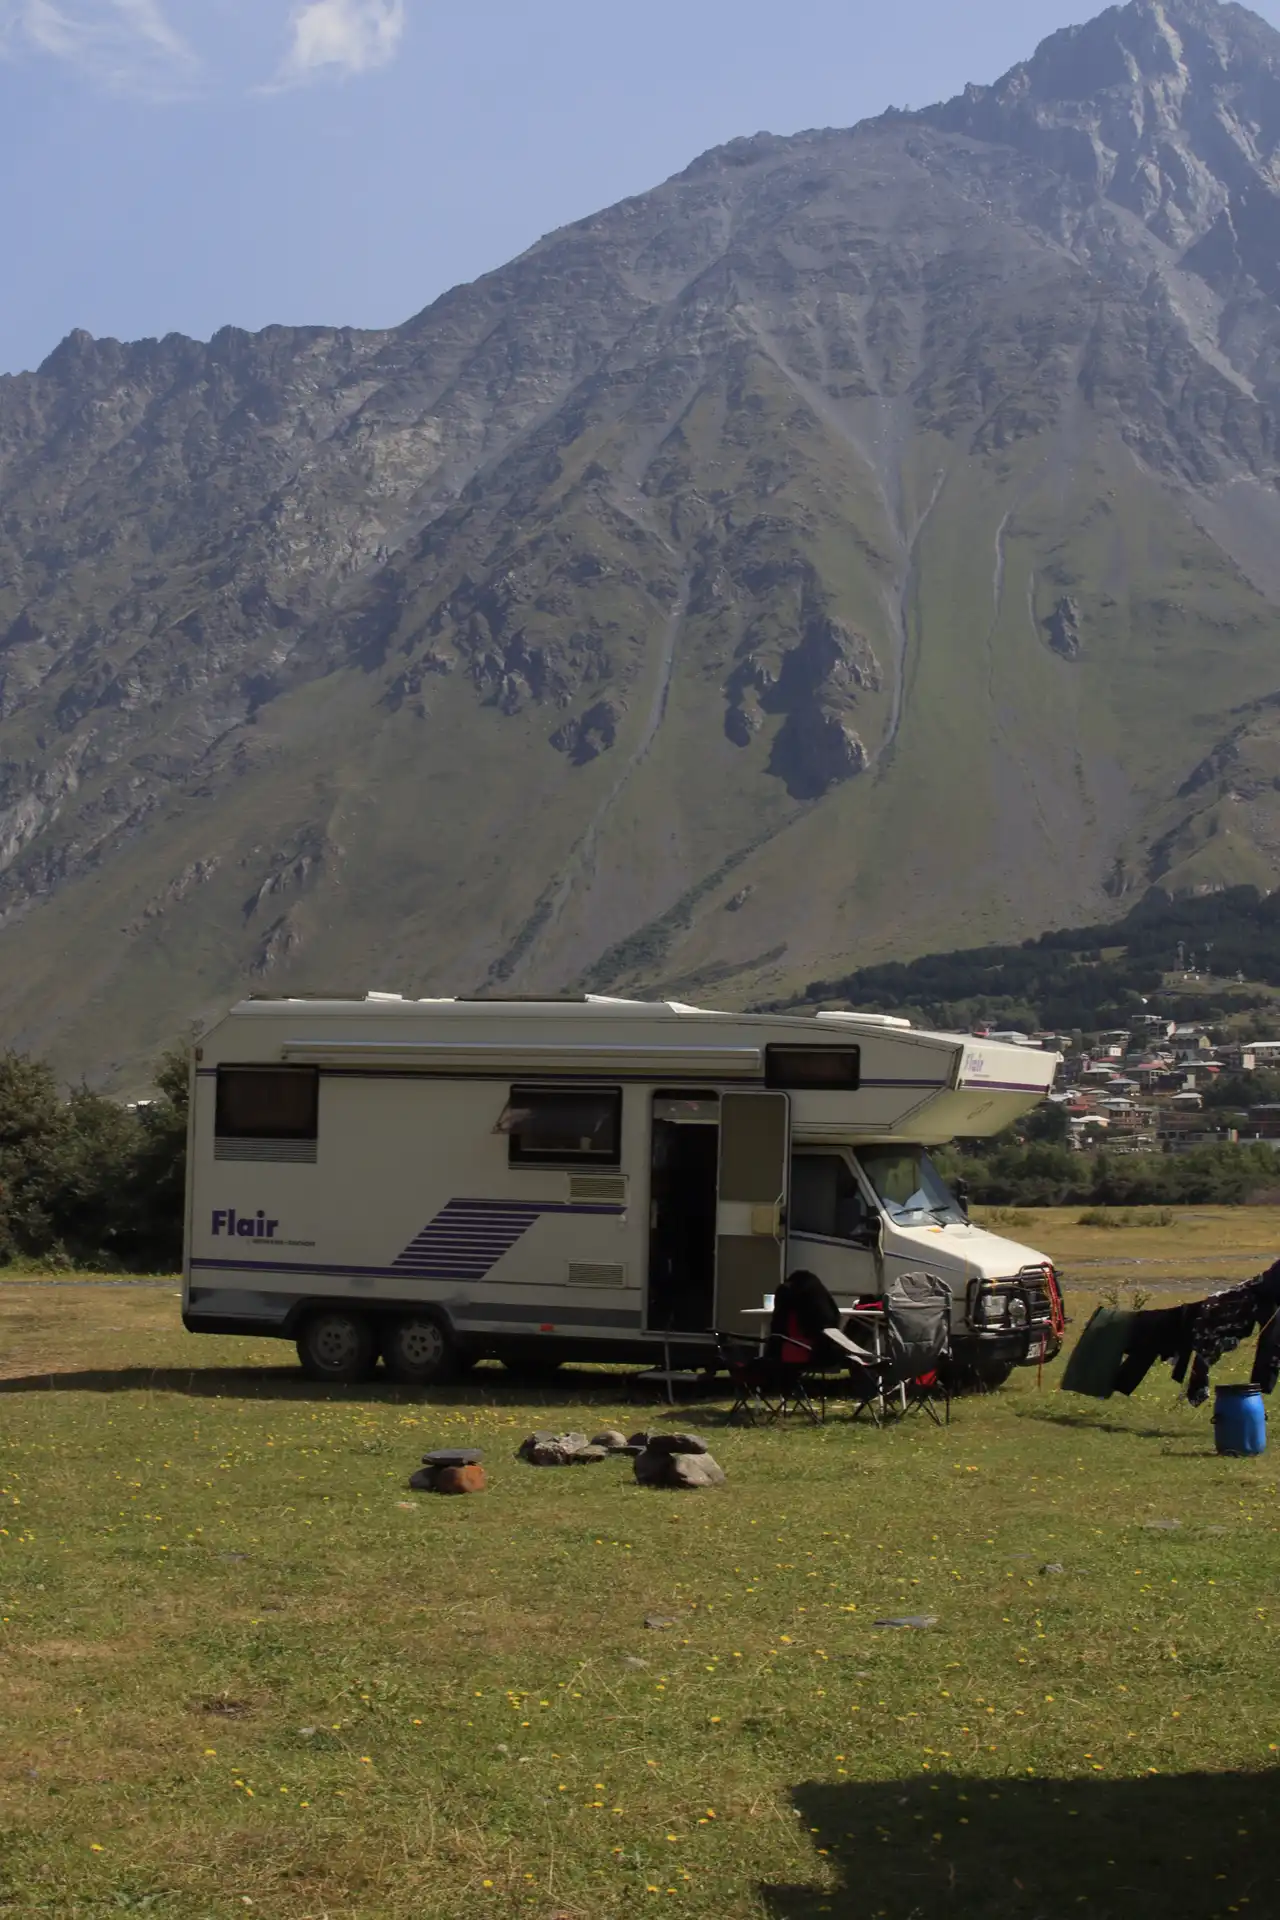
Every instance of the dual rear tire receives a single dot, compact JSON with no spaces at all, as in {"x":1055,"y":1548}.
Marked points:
{"x":342,"y":1349}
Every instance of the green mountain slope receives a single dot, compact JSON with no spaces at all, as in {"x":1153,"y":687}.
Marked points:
{"x":864,"y":541}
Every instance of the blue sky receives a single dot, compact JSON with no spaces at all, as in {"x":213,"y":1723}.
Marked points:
{"x":182,"y":164}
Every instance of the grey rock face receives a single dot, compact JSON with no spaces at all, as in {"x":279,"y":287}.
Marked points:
{"x":1063,"y":628}
{"x":652,"y":533}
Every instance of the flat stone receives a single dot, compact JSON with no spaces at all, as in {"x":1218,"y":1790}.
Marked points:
{"x":677,"y":1443}
{"x":637,"y":1665}
{"x":1161,"y":1526}
{"x":1052,"y":1567}
{"x":916,"y":1622}
{"x":656,"y":1622}
{"x":586,"y":1456}
{"x":610,"y":1440}
{"x":454,"y":1457}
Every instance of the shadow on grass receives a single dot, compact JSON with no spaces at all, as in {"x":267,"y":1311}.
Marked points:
{"x":1083,"y":1422}
{"x":487,"y":1386}
{"x":1196,"y":1846}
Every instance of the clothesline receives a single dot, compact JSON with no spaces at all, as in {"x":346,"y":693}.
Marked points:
{"x":1118,"y":1349}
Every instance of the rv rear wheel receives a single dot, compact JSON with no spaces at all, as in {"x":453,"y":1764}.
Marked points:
{"x":419,"y":1351}
{"x":338,"y":1347}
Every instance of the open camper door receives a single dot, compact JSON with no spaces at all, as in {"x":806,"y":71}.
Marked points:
{"x":751,"y":1240}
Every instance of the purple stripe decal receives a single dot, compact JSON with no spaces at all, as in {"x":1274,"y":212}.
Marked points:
{"x":467,"y":1238}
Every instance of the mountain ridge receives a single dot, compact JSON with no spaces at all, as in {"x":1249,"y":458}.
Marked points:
{"x":866,"y":535}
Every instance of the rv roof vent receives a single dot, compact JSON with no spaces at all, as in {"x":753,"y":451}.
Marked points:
{"x":305,"y":996}
{"x":397,"y":997}
{"x":864,"y":1019}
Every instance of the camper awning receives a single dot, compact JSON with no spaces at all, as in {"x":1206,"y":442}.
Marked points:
{"x":501,"y":1056}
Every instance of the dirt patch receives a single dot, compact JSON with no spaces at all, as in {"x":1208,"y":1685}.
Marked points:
{"x":71,"y":1650}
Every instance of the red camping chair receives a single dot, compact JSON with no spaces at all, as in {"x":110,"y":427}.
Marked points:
{"x":772,"y":1384}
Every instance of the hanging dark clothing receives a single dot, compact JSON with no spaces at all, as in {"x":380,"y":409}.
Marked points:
{"x":1222,"y":1322}
{"x":1094,"y":1368}
{"x":1156,"y":1335}
{"x":1266,"y":1362}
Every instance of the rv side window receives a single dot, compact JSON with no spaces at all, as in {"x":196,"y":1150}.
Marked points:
{"x":813,"y":1069}
{"x":267,"y":1103}
{"x":552,"y":1126}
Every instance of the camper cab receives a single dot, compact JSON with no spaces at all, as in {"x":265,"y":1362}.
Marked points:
{"x":440,"y":1180}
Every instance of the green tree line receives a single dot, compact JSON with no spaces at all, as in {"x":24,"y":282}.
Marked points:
{"x":84,"y":1182}
{"x":1082,"y":977}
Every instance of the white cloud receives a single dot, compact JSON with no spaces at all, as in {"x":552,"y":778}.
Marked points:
{"x":128,"y":45}
{"x":344,"y":36}
{"x":133,"y":46}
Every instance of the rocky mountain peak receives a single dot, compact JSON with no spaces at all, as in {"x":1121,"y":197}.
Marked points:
{"x":1168,"y":107}
{"x":856,"y":544}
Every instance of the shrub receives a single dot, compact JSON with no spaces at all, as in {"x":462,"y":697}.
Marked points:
{"x":84,"y":1181}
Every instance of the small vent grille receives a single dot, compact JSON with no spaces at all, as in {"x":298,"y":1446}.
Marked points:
{"x":298,"y":1153}
{"x":597,"y":1273}
{"x":605,"y":1189}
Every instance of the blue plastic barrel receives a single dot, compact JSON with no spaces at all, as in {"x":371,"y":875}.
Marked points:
{"x":1240,"y":1420}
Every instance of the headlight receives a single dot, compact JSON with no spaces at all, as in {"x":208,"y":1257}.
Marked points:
{"x":992,"y":1310}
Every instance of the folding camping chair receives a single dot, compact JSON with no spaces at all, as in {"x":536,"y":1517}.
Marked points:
{"x":914,"y":1366}
{"x":768,"y":1384}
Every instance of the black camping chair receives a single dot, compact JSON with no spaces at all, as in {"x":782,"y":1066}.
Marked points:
{"x":913,"y":1370}
{"x":771,"y":1384}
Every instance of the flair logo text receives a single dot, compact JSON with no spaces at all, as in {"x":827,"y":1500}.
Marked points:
{"x":244,"y":1226}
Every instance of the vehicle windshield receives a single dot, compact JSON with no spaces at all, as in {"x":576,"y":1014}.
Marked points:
{"x":909,"y":1187}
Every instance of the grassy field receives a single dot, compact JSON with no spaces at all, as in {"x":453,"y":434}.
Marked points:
{"x":242,"y":1668}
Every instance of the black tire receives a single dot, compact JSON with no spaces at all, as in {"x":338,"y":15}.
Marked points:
{"x":419,"y":1351}
{"x":991,"y":1376}
{"x":337,"y":1347}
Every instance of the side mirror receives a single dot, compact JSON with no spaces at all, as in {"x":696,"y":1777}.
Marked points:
{"x":961,"y":1191}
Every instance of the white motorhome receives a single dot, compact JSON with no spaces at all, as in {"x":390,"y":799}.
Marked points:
{"x":440,"y":1180}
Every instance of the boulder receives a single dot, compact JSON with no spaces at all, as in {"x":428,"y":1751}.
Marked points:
{"x":693,"y":1470}
{"x":558,"y":1449}
{"x":460,"y":1480}
{"x":651,"y":1468}
{"x":424,"y":1480}
{"x":610,"y":1440}
{"x":665,"y":1468}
